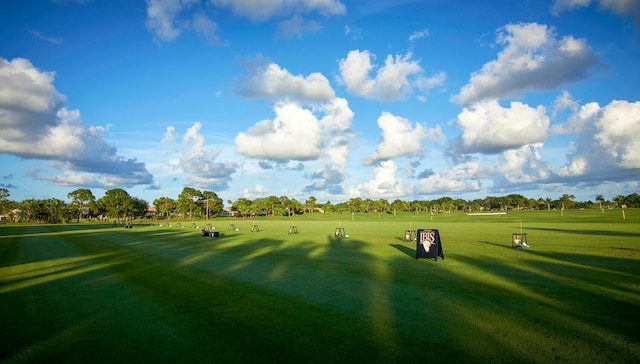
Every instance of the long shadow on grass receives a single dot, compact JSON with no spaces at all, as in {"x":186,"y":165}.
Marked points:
{"x":589,"y":232}
{"x":312,"y":301}
{"x":494,"y":244}
{"x":10,"y":230}
{"x":259,"y":298}
{"x":406,"y":250}
{"x":538,"y":303}
{"x":581,"y":297}
{"x":209,"y":316}
{"x":391,"y":303}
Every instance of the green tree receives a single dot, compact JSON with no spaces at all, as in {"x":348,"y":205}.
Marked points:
{"x":295,"y":207}
{"x":274,"y":204}
{"x":515,"y":201}
{"x":329,"y":207}
{"x":600,"y":200}
{"x":261,"y":206}
{"x":632,"y":200}
{"x":211,"y":203}
{"x":460,"y":204}
{"x":566,"y":201}
{"x":619,"y":200}
{"x":99,"y":209}
{"x":4,"y":199}
{"x":33,"y":210}
{"x":187,"y":201}
{"x":310,"y":203}
{"x":165,"y":205}
{"x":81,"y":198}
{"x":242,"y":206}
{"x":138,"y":207}
{"x":397,"y":205}
{"x":117,"y":203}
{"x":56,"y":211}
{"x":382,"y":205}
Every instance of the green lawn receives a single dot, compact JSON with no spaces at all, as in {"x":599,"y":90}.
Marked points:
{"x":98,"y":293}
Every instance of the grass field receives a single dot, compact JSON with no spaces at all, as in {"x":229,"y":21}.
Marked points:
{"x":98,"y":293}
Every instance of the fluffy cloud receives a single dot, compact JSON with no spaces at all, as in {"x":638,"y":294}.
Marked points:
{"x":520,"y":166}
{"x":294,"y":134}
{"x":161,"y":16}
{"x":532,"y":58}
{"x":337,"y":134}
{"x":562,"y":5}
{"x":607,"y":145}
{"x":488,"y":127}
{"x":393,"y":81}
{"x":327,"y":179}
{"x":199,"y":162}
{"x":165,"y":20}
{"x":266,"y":79}
{"x":618,"y":129}
{"x":29,"y":100}
{"x":606,"y":149}
{"x":169,"y":135}
{"x":419,"y":34}
{"x":336,"y":124}
{"x":617,"y":6}
{"x":384,"y":184}
{"x":206,"y":27}
{"x":322,"y":131}
{"x":576,"y":121}
{"x":260,"y":10}
{"x":461,"y":177}
{"x":297,"y":25}
{"x":565,"y":101}
{"x":32,"y":113}
{"x":400,"y":139}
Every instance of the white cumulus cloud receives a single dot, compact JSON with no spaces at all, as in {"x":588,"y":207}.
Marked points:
{"x":199,"y":162}
{"x":533,"y":58}
{"x":618,"y":129}
{"x":32,"y":113}
{"x":260,"y":10}
{"x":384,"y":184}
{"x":395,"y":80}
{"x":399,"y":138}
{"x":617,"y":6}
{"x":520,"y":166}
{"x":337,"y":135}
{"x":267,"y":79}
{"x":167,"y":19}
{"x":294,"y":134}
{"x":607,"y":145}
{"x":460,"y":177}
{"x":488,"y":127}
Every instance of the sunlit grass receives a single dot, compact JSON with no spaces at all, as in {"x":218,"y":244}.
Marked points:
{"x":92,"y":292}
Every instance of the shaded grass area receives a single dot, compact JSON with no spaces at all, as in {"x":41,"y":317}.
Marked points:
{"x":78,"y":293}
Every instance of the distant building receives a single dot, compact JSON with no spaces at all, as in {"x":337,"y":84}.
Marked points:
{"x":151,"y":211}
{"x":226,"y":211}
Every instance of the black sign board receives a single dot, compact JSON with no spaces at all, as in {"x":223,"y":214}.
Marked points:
{"x":428,"y":244}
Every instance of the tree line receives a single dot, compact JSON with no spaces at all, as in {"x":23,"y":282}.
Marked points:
{"x":118,"y":205}
{"x":284,"y":206}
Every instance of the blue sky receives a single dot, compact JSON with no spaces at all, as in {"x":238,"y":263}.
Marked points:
{"x":326,"y":98}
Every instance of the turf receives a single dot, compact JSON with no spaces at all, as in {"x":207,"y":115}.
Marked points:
{"x":98,"y":293}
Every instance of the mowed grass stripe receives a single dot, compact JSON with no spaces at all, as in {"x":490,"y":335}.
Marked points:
{"x":369,"y":292}
{"x":211,"y":315}
{"x":319,"y":321}
{"x":172,"y":294}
